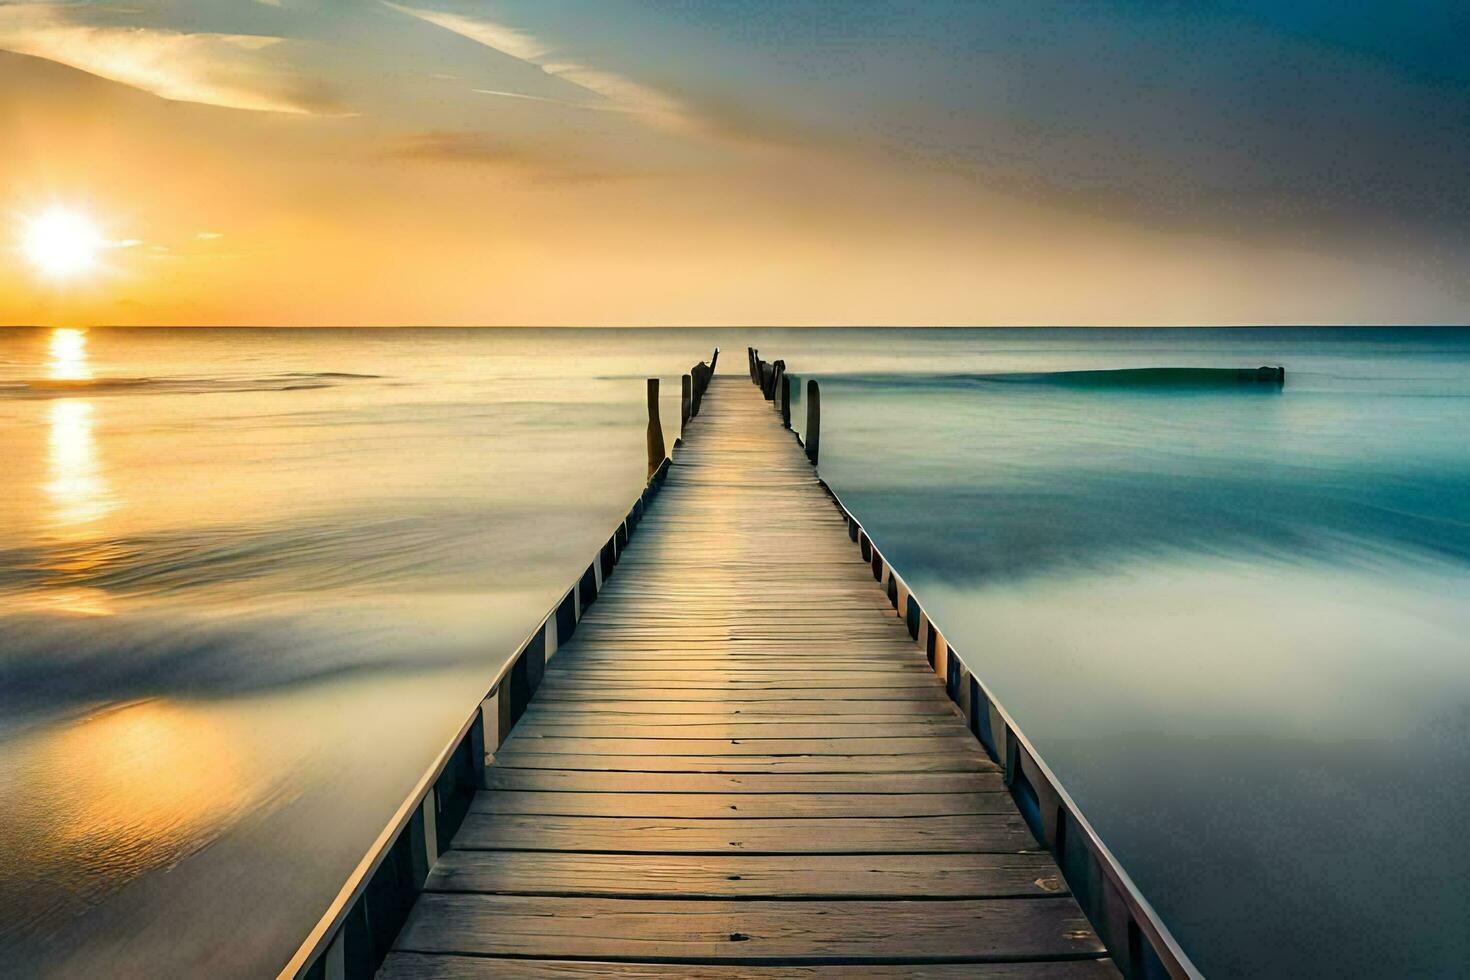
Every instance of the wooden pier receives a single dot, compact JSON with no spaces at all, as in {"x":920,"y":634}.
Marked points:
{"x":741,"y":764}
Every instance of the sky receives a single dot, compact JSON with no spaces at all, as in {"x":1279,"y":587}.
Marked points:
{"x":691,"y":162}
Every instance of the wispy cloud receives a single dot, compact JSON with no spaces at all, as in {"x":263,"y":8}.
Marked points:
{"x":594,"y":106}
{"x":541,"y":164}
{"x":213,"y":69}
{"x":619,"y":91}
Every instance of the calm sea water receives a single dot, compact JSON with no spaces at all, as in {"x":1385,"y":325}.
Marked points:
{"x":250,"y":581}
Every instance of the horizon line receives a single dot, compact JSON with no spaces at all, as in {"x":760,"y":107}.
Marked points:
{"x":739,"y":326}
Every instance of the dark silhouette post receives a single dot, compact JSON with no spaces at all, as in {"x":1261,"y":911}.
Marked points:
{"x":656,"y":452}
{"x":686,"y":402}
{"x":783,"y":398}
{"x":700,"y":378}
{"x":813,"y":420}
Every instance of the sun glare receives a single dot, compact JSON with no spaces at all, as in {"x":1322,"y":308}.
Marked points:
{"x":61,"y":243}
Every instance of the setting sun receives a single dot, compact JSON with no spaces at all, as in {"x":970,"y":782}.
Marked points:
{"x":61,"y":243}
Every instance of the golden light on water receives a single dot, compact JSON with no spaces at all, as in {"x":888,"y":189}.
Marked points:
{"x":61,"y":243}
{"x":116,"y":794}
{"x":68,"y":355}
{"x":76,"y":486}
{"x":78,"y":491}
{"x":161,"y":773}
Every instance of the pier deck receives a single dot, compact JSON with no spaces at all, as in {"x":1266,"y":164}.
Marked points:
{"x":741,"y":764}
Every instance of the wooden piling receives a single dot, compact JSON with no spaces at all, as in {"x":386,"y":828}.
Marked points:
{"x":656,"y":452}
{"x":699,"y":375}
{"x":778,"y":375}
{"x":813,"y":434}
{"x":686,"y":402}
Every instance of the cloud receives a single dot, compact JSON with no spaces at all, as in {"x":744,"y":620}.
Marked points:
{"x":212,"y":69}
{"x":539,"y":163}
{"x":594,"y":106}
{"x":620,"y":92}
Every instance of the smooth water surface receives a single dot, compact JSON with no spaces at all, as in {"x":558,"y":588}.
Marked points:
{"x":250,"y":583}
{"x":251,"y":580}
{"x":1234,"y":619}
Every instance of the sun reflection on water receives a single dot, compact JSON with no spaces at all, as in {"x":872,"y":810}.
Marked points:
{"x":77,"y":492}
{"x":68,"y":351}
{"x":77,"y":488}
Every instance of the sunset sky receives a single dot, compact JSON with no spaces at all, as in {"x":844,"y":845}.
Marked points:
{"x":712,"y":162}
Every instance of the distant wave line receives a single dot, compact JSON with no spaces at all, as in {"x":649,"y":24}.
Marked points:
{"x":69,"y":387}
{"x":1149,"y":377}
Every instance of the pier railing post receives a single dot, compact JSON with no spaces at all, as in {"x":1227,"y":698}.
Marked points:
{"x":778,"y":372}
{"x":813,"y":434}
{"x":656,"y":451}
{"x":686,"y":402}
{"x":783,"y":396}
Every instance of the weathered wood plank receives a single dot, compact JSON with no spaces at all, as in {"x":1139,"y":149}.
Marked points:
{"x":747,"y":763}
{"x":921,"y":745}
{"x":599,"y":692}
{"x":959,"y":930}
{"x":733,"y":684}
{"x":724,"y":806}
{"x":785,"y":709}
{"x":866,"y":729}
{"x":581,"y":781}
{"x":797,"y":876}
{"x":420,"y":966}
{"x":969,"y":834}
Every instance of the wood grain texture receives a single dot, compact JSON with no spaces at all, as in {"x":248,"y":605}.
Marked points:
{"x":742,"y":766}
{"x":417,"y":966}
{"x":749,"y":876}
{"x":877,"y":764}
{"x":951,"y":742}
{"x":577,"y":781}
{"x":877,"y":931}
{"x":725,"y":806}
{"x":809,"y":835}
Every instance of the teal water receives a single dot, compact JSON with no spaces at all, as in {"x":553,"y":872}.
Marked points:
{"x":1235,"y":620}
{"x":250,"y":580}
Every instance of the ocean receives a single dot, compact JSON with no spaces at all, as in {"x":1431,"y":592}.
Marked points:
{"x":250,"y":580}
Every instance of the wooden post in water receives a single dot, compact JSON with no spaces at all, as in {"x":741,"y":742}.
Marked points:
{"x":813,"y":434}
{"x":783,"y":398}
{"x":656,"y":452}
{"x":686,"y":402}
{"x":714,"y":360}
{"x":700,"y":376}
